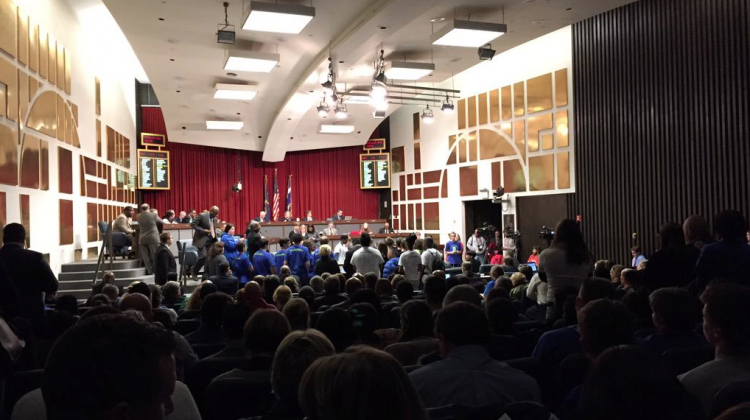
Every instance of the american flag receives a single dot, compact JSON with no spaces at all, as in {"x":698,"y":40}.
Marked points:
{"x":289,"y":195}
{"x":265,"y":196}
{"x":275,"y":196}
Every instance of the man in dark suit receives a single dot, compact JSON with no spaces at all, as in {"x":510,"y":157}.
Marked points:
{"x":148,"y":236}
{"x":339,"y":215}
{"x":225,"y":281}
{"x":191,"y":215}
{"x":29,"y":273}
{"x":262,"y":217}
{"x":386,"y":228}
{"x":204,"y":235}
{"x":252,"y":238}
{"x":288,"y":216}
{"x":165,"y":268}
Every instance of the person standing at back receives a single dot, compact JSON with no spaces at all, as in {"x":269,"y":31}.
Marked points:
{"x":252,"y":237}
{"x":367,"y":259}
{"x":264,"y":262}
{"x":298,"y":259}
{"x":29,"y":273}
{"x":728,"y":259}
{"x":280,"y":255}
{"x":453,"y":251}
{"x":410,"y":263}
{"x":148,"y":238}
{"x":204,"y":236}
{"x":477,"y":244}
{"x":165,"y":268}
{"x":566,"y":263}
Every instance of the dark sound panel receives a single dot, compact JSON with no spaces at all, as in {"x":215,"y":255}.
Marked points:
{"x":662,"y":98}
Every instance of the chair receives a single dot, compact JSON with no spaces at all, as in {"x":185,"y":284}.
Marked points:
{"x":238,"y":397}
{"x":453,"y":271}
{"x":545,"y":378}
{"x":204,"y":350}
{"x":120,"y":241}
{"x":187,"y":255}
{"x":485,"y":268}
{"x":206,"y":370}
{"x":527,"y":326}
{"x":733,"y":394}
{"x":506,"y":347}
{"x":680,"y":360}
{"x":186,"y":326}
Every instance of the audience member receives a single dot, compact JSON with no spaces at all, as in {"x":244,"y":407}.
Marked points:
{"x":726,"y":325}
{"x":518,"y":292}
{"x":508,"y":265}
{"x":112,"y":292}
{"x":404,"y":292}
{"x":467,"y":374}
{"x":365,"y":319}
{"x":230,"y":244}
{"x":627,"y":383}
{"x":291,"y":283}
{"x":308,"y":295}
{"x":212,"y":315}
{"x":362,"y":383}
{"x":336,"y":324}
{"x":79,"y":383}
{"x":728,"y":259}
{"x":298,"y":259}
{"x":243,"y":268}
{"x":167,"y":316}
{"x":348,"y":267}
{"x":673,"y":264}
{"x":281,"y":296}
{"x":453,"y":250}
{"x":317,"y":284}
{"x":638,"y":304}
{"x":269,"y":287}
{"x":432,"y":259}
{"x":172,"y":295}
{"x":554,"y":346}
{"x":416,"y":336}
{"x":537,"y":292}
{"x":29,"y":272}
{"x":99,"y":300}
{"x":232,"y":328}
{"x":264,"y":263}
{"x":567,"y":262}
{"x":434,"y":291}
{"x":225,"y":281}
{"x":298,"y":314}
{"x":604,"y":323}
{"x":697,"y":232}
{"x":215,"y":257}
{"x":615,"y":272}
{"x":367,"y":259}
{"x":253,"y":297}
{"x":148,"y":237}
{"x":501,"y":315}
{"x":331,"y":296}
{"x":410,"y":262}
{"x":675,"y":314}
{"x":391,"y":264}
{"x":326,"y":263}
{"x":463,"y":293}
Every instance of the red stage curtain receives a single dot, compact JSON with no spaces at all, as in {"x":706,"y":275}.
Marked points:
{"x":322,"y":181}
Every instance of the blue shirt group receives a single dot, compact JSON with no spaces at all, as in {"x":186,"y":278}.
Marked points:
{"x":390,"y":267}
{"x":280,"y":258}
{"x":454,"y":259}
{"x":296,"y":257}
{"x":242,"y":266}
{"x":263,"y":261}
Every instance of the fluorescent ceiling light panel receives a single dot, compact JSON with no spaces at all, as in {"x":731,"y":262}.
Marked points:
{"x":278,"y":17}
{"x":251,"y":61}
{"x":224,"y":125}
{"x":236,"y":92}
{"x":464,"y":33}
{"x":362,"y":100}
{"x":335,"y":129}
{"x":404,"y":70}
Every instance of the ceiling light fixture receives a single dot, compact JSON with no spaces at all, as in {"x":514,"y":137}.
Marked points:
{"x":464,"y":33}
{"x":485,"y":52}
{"x":448,"y":108}
{"x":251,"y":61}
{"x":323,"y":109}
{"x":335,"y":129}
{"x":236,"y":92}
{"x":282,"y":18}
{"x":378,"y":115}
{"x":224,"y":125}
{"x":437,"y":19}
{"x":378,"y":87}
{"x":225,"y":33}
{"x":427,"y":116}
{"x":341,"y":111}
{"x":329,"y":86}
{"x":404,"y":70}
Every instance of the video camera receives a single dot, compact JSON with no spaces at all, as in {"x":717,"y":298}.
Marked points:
{"x":546,"y":234}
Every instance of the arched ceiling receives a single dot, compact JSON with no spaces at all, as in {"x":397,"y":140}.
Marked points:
{"x":175,"y":41}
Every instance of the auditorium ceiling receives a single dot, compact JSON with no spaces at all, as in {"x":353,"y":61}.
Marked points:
{"x":176,"y":43}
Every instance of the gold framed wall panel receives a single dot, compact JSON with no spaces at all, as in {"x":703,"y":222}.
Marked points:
{"x":562,"y":128}
{"x":462,"y":158}
{"x":33,"y":87}
{"x":548,"y":141}
{"x":65,"y":170}
{"x":43,"y":114}
{"x":43,"y":165}
{"x":461,"y":105}
{"x":539,"y":93}
{"x":496,"y":183}
{"x":451,"y":152}
{"x":561,"y":87}
{"x":396,"y":220}
{"x":493,"y":145}
{"x":66,"y":222}
{"x":444,"y":185}
{"x":51,"y":59}
{"x":33,"y":46}
{"x":43,"y":54}
{"x":471,"y":106}
{"x":431,"y":192}
{"x":418,"y":216}
{"x":8,"y":155}
{"x":92,"y":228}
{"x":472,"y":141}
{"x":398,"y":158}
{"x":22,"y":54}
{"x":494,"y":105}
{"x":537,"y":123}
{"x":25,"y":203}
{"x":563,"y":170}
{"x":417,"y":156}
{"x":68,"y":75}
{"x":542,"y":172}
{"x":469,"y":182}
{"x":431,"y":177}
{"x":506,"y":102}
{"x":519,"y":106}
{"x":416,"y":126}
{"x":98,"y":97}
{"x":8,"y":99}
{"x":432,"y":216}
{"x":8,"y":22}
{"x":482,"y":108}
{"x":23,"y":98}
{"x":514,"y":179}
{"x":519,"y":137}
{"x":30,"y":162}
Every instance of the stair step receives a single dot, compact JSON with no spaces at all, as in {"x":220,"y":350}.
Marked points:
{"x":66,"y":286}
{"x":80,"y":294}
{"x":88,"y":275}
{"x":90,"y":265}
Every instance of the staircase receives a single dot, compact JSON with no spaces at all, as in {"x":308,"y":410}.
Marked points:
{"x":76,"y":277}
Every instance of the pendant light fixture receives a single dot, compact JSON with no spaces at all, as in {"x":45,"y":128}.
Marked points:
{"x":427,"y":115}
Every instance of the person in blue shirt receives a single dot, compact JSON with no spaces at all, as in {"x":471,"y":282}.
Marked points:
{"x":453,"y":251}
{"x":391,"y":266}
{"x":281,"y":255}
{"x":243,"y":268}
{"x":230,"y":244}
{"x":298,"y":259}
{"x":311,"y":248}
{"x":263,"y":261}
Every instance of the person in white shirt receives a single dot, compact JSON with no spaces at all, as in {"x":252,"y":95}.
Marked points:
{"x":429,"y":256}
{"x":410,"y":263}
{"x":169,"y":217}
{"x":341,"y":249}
{"x":367,"y":259}
{"x":477,"y":244}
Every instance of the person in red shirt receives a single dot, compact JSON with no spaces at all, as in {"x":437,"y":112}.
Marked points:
{"x":534,"y":257}
{"x":497,"y":257}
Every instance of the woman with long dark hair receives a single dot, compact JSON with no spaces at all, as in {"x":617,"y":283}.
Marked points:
{"x":566,"y":263}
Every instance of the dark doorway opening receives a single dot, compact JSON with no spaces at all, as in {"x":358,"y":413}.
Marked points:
{"x":481,"y":212}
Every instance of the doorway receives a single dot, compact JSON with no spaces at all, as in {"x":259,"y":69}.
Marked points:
{"x":480,"y":213}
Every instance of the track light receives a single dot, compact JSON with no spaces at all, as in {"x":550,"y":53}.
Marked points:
{"x":427,"y":116}
{"x":485,"y":52}
{"x":341,"y":111}
{"x":378,"y":88}
{"x":448,"y":108}
{"x":327,"y":88}
{"x":323,"y":109}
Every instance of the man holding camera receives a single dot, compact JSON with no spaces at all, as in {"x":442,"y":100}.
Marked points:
{"x":477,"y":244}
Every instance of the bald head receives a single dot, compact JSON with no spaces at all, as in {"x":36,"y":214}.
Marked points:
{"x":139,"y":303}
{"x":252,"y":289}
{"x":214,"y":211}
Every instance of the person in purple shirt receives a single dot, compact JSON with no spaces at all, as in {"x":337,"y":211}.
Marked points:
{"x":263,"y":261}
{"x":453,"y":251}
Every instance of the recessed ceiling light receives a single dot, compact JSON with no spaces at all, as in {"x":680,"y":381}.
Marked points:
{"x":463,"y":33}
{"x":404,"y":70}
{"x":437,"y":19}
{"x":335,"y":129}
{"x":171,"y":59}
{"x":251,"y":61}
{"x":236,"y":92}
{"x":162,"y":19}
{"x":224,"y":125}
{"x":278,"y":17}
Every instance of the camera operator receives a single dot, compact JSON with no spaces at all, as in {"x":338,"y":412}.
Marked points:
{"x":477,"y":244}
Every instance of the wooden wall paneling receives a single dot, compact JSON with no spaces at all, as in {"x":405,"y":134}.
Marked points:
{"x":25,"y":204}
{"x":66,"y":222}
{"x":661,"y":128}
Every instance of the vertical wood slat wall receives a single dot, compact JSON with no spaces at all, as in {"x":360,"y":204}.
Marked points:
{"x":662,"y":102}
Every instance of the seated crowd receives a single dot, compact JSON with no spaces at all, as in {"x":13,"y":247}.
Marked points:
{"x":580,"y":338}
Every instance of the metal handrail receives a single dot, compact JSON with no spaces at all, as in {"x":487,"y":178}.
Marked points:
{"x":106,"y":241}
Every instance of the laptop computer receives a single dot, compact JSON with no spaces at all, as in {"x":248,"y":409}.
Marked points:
{"x":347,"y":217}
{"x":532,"y":265}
